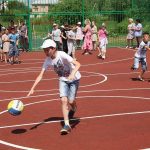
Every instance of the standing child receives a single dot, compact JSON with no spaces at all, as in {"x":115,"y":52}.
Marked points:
{"x":67,"y":69}
{"x":102,"y":35}
{"x":138,"y":32}
{"x":13,"y":51}
{"x":56,"y":36}
{"x":79,"y":35}
{"x":71,"y":42}
{"x":130,"y":35}
{"x":64,"y":39}
{"x":94,"y":35}
{"x":140,"y":56}
{"x":87,"y":44}
{"x":6,"y":43}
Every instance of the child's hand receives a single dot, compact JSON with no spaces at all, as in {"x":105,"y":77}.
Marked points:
{"x":71,"y":77}
{"x":146,"y":47}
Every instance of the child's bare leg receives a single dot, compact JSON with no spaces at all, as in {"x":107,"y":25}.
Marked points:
{"x":142,"y":73}
{"x":5,"y":57}
{"x":73,"y":105}
{"x":99,"y":50}
{"x":104,"y":52}
{"x":65,"y":110}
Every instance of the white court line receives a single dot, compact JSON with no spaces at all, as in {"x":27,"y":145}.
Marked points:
{"x":145,"y":149}
{"x":108,"y":74}
{"x":124,"y":73}
{"x":109,"y":62}
{"x":20,"y":81}
{"x":82,"y":118}
{"x":108,"y":90}
{"x":17,"y":73}
{"x":17,"y":146}
{"x":23,"y":63}
{"x":91,"y":91}
{"x":88,"y":85}
{"x":127,"y":49}
{"x":16,"y":70}
{"x":113,"y":61}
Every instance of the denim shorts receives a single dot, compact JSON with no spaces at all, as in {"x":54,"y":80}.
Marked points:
{"x":68,"y":89}
{"x":13,"y":51}
{"x":141,"y":61}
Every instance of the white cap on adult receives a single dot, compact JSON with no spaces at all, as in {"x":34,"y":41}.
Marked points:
{"x":48,"y":43}
{"x":54,"y":24}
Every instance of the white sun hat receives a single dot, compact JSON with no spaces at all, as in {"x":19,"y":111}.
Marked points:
{"x":79,"y":23}
{"x":54,"y":24}
{"x":62,"y":26}
{"x":48,"y":43}
{"x":103,"y":24}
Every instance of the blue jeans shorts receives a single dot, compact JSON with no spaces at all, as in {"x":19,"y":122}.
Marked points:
{"x":68,"y":89}
{"x":141,"y":61}
{"x":13,"y":51}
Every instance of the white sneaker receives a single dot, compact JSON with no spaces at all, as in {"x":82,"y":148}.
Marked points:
{"x":140,"y":78}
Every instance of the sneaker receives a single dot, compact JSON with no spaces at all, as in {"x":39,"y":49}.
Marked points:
{"x":99,"y":56}
{"x":127,"y":46}
{"x":140,"y":78}
{"x":65,"y":130}
{"x":11,"y":62}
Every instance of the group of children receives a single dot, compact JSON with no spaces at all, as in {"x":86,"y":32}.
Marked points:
{"x":134,"y":32}
{"x":70,"y":38}
{"x":9,"y":40}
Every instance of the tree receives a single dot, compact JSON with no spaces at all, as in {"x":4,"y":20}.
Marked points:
{"x":15,"y":10}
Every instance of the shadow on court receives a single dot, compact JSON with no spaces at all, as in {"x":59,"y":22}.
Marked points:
{"x":18,"y":131}
{"x":73,"y":122}
{"x":51,"y":119}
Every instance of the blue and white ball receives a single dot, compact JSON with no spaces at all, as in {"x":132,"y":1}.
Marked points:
{"x":15,"y":107}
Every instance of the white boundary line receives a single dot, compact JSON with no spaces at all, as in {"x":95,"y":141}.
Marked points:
{"x":110,"y":115}
{"x":16,"y":146}
{"x":82,"y":118}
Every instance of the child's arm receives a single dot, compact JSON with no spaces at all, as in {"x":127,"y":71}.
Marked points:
{"x":63,"y":36}
{"x":77,"y":66}
{"x":147,"y":47}
{"x":38,"y":79}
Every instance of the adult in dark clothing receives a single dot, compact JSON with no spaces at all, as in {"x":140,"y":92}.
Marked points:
{"x":64,"y":39}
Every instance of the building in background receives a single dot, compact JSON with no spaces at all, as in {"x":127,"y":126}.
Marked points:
{"x":42,"y":6}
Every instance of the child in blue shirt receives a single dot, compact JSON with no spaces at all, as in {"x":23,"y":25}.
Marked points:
{"x":13,"y":50}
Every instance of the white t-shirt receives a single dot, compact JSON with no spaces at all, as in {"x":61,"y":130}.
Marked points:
{"x":138,"y":30}
{"x":71,"y":37}
{"x":62,"y":65}
{"x":56,"y":35}
{"x":79,"y":33}
{"x":141,"y":52}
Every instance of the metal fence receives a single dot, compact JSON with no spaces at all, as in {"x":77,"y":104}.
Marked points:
{"x":39,"y":16}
